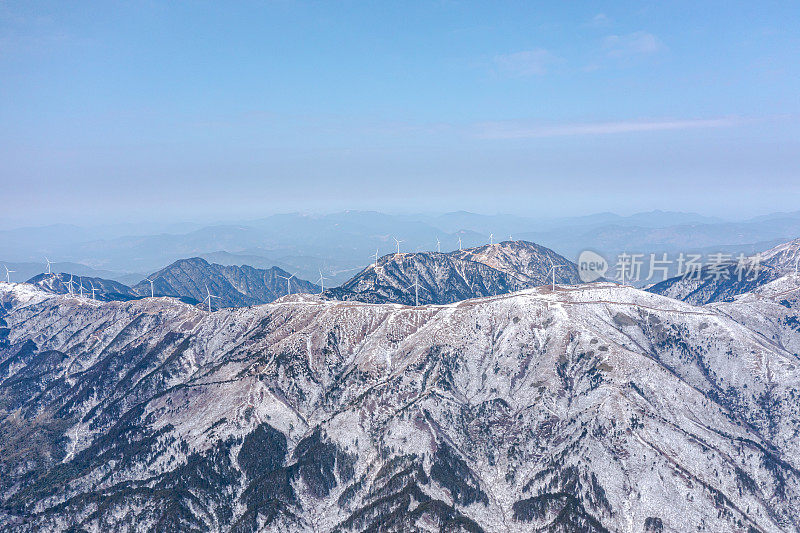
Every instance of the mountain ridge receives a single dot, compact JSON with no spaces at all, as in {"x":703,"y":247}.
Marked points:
{"x":422,"y":278}
{"x":731,"y":278}
{"x":343,"y":416}
{"x":232,"y":286}
{"x":104,"y":289}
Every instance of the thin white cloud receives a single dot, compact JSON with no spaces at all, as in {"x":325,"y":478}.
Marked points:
{"x":633,"y":44}
{"x":506,"y":130}
{"x":600,"y":20}
{"x":526,"y":63}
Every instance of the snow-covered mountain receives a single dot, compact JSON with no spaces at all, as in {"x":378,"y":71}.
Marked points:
{"x":523,"y":260}
{"x":784,"y":258}
{"x":588,"y":408}
{"x":104,"y":289}
{"x":723,"y":282}
{"x":442,"y":278}
{"x":235,"y":286}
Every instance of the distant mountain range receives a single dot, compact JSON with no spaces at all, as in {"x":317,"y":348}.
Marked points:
{"x":729,"y":279}
{"x":421,"y":278}
{"x":408,"y":278}
{"x":188,"y":280}
{"x":30,"y":269}
{"x":340,"y":243}
{"x":440,"y":278}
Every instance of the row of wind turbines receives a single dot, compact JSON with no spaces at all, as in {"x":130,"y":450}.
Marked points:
{"x":439,"y":243}
{"x":416,"y":285}
{"x":72,"y":287}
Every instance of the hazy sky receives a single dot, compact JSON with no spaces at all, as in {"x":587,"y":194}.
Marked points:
{"x":119,"y":111}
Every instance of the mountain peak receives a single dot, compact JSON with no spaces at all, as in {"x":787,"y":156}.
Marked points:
{"x":419,"y":278}
{"x":234,"y":286}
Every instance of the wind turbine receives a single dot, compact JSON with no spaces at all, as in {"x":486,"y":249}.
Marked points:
{"x":398,"y":244}
{"x":553,"y":270}
{"x":151,"y":287}
{"x":491,"y":238}
{"x":416,"y":289}
{"x":8,"y":272}
{"x":49,"y":270}
{"x":510,"y":237}
{"x":322,"y":281}
{"x":438,"y":245}
{"x":288,"y":283}
{"x":209,"y":297}
{"x":376,"y":259}
{"x":80,"y":286}
{"x":93,"y":289}
{"x":459,"y":243}
{"x":70,"y":284}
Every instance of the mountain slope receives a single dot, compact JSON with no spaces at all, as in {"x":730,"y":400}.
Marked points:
{"x":236,"y":286}
{"x":591,"y":408}
{"x":526,"y":261}
{"x":442,"y":279}
{"x":105,"y":289}
{"x":460,"y":275}
{"x":778,"y":306}
{"x":710,"y":286}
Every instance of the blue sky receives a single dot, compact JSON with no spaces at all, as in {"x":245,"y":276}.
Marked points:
{"x":186,"y":110}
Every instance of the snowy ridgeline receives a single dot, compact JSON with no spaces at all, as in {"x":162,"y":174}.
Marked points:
{"x":587,"y":408}
{"x":408,"y":278}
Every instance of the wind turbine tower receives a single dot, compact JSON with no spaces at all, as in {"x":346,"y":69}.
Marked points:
{"x":288,"y":283}
{"x":553,"y":270}
{"x":321,"y":282}
{"x":151,"y":286}
{"x":8,"y":274}
{"x":397,"y":242}
{"x":416,"y":289}
{"x":208,"y":297}
{"x":438,"y":245}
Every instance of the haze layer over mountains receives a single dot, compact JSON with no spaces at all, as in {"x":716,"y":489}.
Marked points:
{"x":341,"y":244}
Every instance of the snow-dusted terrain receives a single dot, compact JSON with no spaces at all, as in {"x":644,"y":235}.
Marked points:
{"x":720,"y":283}
{"x":97,"y":288}
{"x":442,"y":278}
{"x":588,"y":408}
